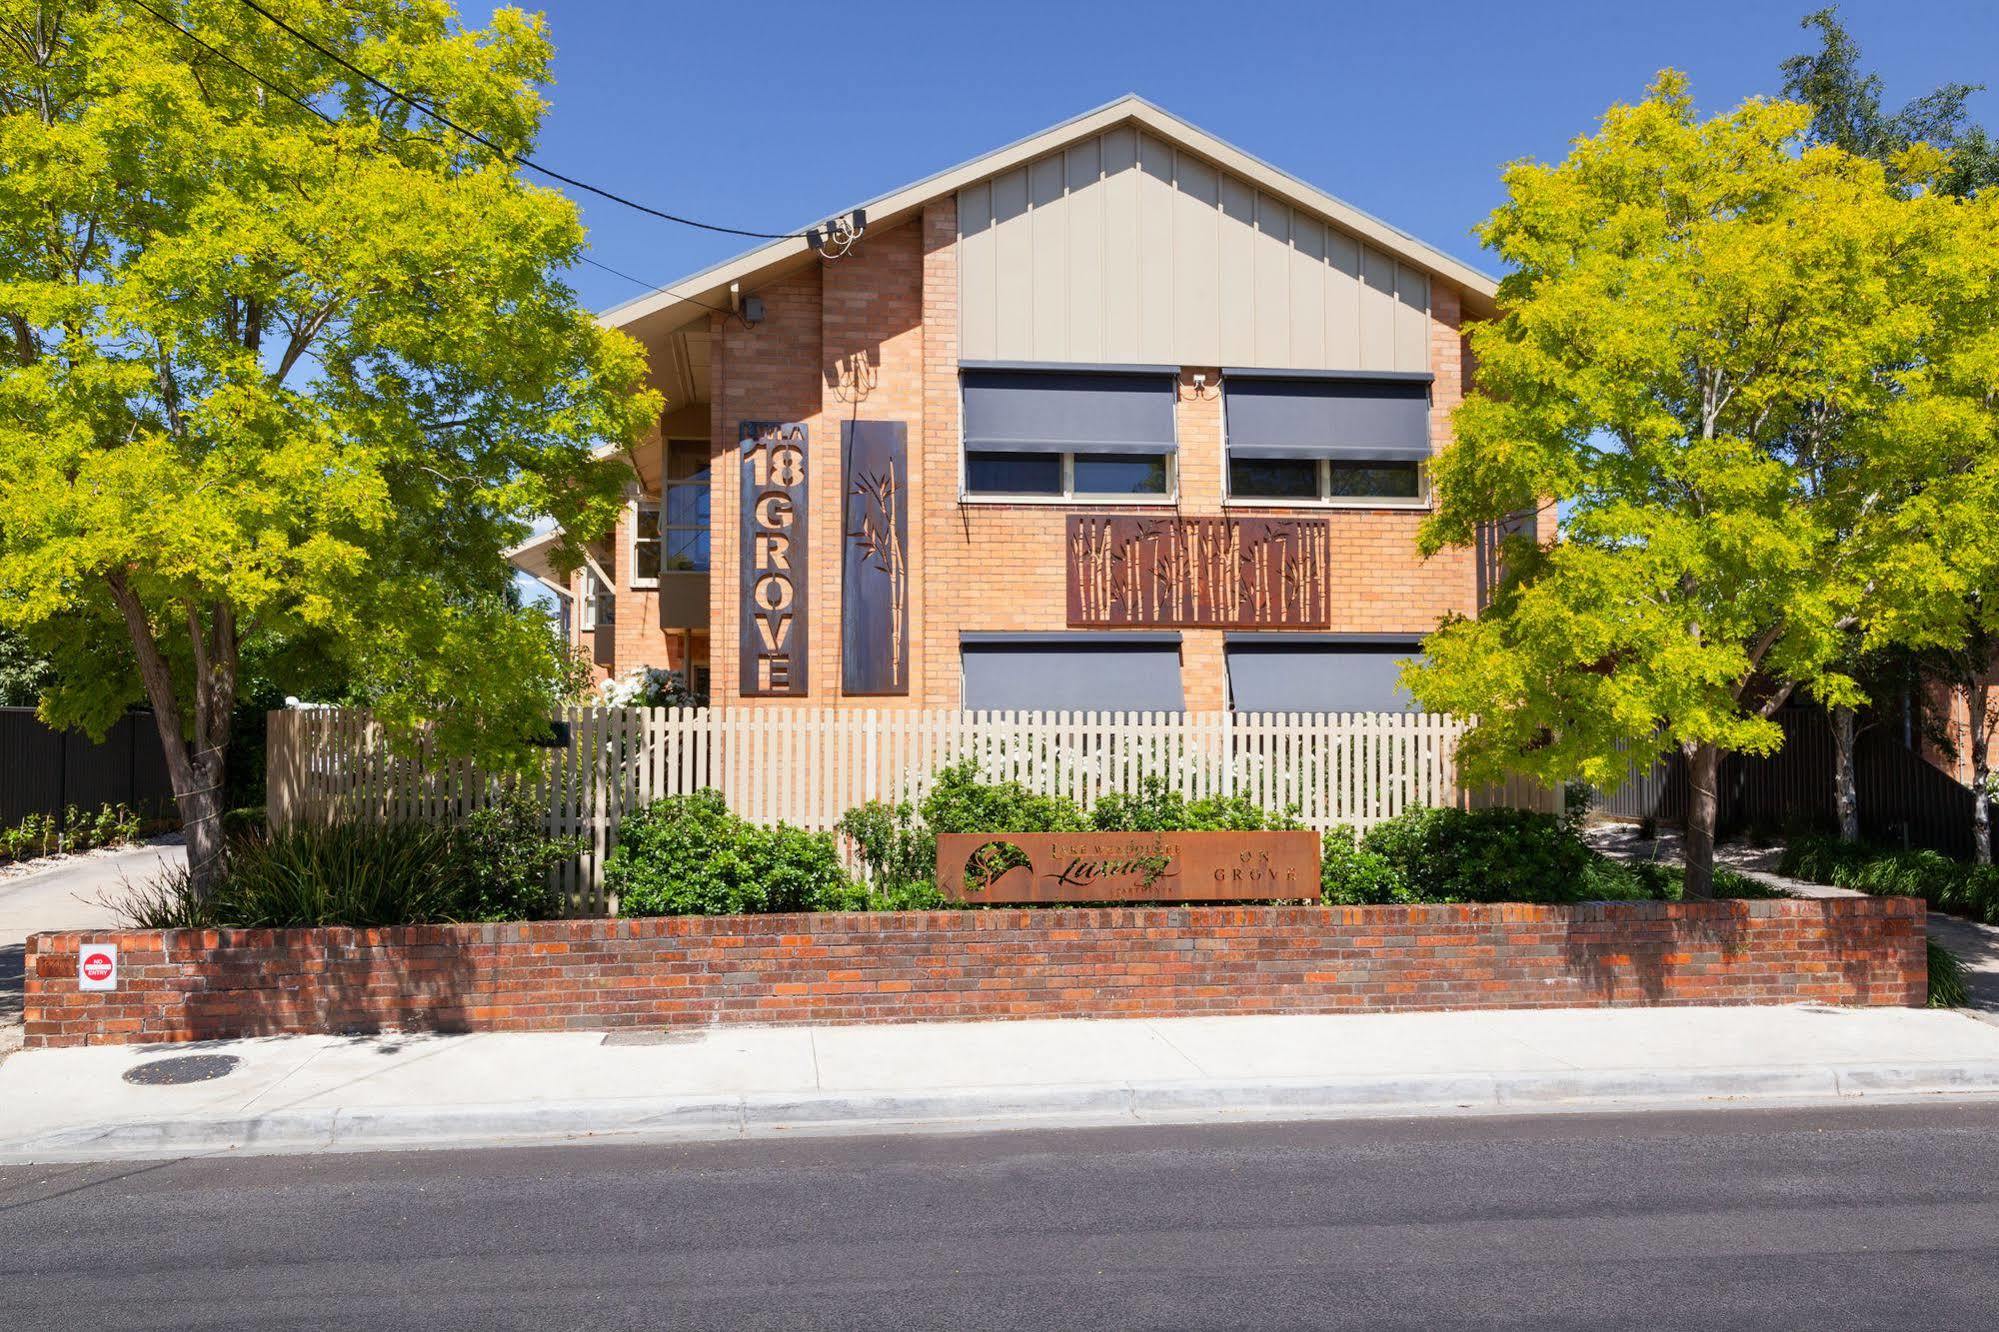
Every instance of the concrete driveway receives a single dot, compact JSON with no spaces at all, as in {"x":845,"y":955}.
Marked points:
{"x":64,"y":896}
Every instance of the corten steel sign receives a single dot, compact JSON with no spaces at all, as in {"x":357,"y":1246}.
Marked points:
{"x":1129,"y":866}
{"x":1199,"y":573}
{"x":773,"y":637}
{"x":874,"y":573}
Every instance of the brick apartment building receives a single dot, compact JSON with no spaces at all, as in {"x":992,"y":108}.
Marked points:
{"x":1117,"y":417}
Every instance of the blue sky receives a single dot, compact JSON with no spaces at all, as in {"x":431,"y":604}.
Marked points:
{"x":772,"y":115}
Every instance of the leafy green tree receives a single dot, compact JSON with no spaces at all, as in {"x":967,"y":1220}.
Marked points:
{"x":285,"y":356}
{"x":1942,"y":590}
{"x":24,"y":672}
{"x":1705,"y":355}
{"x":1847,"y":113}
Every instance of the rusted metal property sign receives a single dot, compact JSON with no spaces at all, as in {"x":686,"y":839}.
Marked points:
{"x":1129,"y":866}
{"x":773,"y":634}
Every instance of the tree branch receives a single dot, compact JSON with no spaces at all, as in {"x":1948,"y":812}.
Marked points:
{"x":24,"y":339}
{"x":1775,"y":701}
{"x":303,"y":335}
{"x":156,"y":678}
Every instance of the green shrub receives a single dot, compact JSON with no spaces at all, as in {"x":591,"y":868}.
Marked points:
{"x":897,"y":843}
{"x":360,"y":874}
{"x":1504,"y":855}
{"x":164,"y":902}
{"x":1352,"y":876}
{"x":1484,"y":855}
{"x":689,"y":856}
{"x":248,"y":821}
{"x":503,"y":860}
{"x":1649,"y":880}
{"x":492,"y":866}
{"x":959,"y":802}
{"x":908,"y":896}
{"x":1946,"y":884}
{"x":898,"y":852}
{"x":1947,"y":988}
{"x":1157,"y":807}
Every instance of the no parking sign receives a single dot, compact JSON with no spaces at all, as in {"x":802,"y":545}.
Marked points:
{"x":97,"y":967}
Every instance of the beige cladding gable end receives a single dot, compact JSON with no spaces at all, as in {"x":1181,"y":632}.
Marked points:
{"x":1126,"y":248}
{"x":1204,"y":184}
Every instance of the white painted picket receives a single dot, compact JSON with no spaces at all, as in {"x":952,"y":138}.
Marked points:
{"x":806,"y":766}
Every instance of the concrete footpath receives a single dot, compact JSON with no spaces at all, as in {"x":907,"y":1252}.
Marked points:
{"x":305,"y":1094}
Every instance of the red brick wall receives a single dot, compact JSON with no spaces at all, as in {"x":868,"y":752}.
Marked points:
{"x":903,"y":967}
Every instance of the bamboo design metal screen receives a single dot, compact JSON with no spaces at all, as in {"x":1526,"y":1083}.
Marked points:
{"x":1199,"y":573}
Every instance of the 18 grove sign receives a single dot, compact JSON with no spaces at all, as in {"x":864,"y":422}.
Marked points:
{"x":774,"y":585}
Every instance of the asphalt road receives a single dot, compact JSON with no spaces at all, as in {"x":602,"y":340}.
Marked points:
{"x":1848,"y":1217}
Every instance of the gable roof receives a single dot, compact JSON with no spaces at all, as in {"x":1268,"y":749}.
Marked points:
{"x":674,"y":305}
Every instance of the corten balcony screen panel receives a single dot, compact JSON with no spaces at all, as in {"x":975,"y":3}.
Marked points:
{"x":1129,"y":571}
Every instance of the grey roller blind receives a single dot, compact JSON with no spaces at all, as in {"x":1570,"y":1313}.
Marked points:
{"x":1327,"y":418}
{"x":1074,"y":673}
{"x":1042,"y":411}
{"x":1306,"y":676}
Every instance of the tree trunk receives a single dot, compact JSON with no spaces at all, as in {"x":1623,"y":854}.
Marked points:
{"x":1703,"y":769}
{"x":198,"y":787}
{"x":1981,"y":772}
{"x":1845,"y":790}
{"x":197,"y":765}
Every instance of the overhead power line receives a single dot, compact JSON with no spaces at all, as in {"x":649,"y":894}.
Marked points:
{"x":223,"y":55}
{"x":303,"y":104}
{"x":519,"y":159}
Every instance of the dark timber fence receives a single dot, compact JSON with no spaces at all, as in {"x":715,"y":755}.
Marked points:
{"x":46,"y":771}
{"x":1904,"y":799}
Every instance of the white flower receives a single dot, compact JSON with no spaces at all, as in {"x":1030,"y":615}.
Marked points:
{"x":648,"y":687}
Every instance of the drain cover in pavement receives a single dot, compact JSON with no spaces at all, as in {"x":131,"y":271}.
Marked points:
{"x":651,"y":1037}
{"x":182,"y":1068}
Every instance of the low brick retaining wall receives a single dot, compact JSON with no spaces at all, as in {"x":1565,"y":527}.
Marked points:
{"x":917,"y":966}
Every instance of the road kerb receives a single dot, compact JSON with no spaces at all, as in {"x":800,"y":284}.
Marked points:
{"x":989,"y":1108}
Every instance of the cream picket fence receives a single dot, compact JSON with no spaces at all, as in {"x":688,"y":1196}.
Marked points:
{"x":807,"y":766}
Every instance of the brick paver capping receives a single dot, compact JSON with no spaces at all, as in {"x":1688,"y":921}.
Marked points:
{"x":957,"y":965}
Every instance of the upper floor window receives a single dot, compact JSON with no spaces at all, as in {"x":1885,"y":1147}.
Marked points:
{"x":672,"y":534}
{"x":1327,"y":439}
{"x":1040,"y":432}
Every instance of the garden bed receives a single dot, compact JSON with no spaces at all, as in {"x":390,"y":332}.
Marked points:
{"x":906,"y":966}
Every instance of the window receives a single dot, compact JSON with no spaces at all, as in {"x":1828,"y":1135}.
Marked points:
{"x":1113,"y":671}
{"x":1059,"y":433}
{"x":1068,"y":475}
{"x":1013,"y":474}
{"x":1327,"y":438}
{"x":1275,"y":478}
{"x":1323,"y":479}
{"x":672,"y":536}
{"x":599,"y":605}
{"x":1271,"y":672}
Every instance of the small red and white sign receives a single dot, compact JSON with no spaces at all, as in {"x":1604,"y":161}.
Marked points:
{"x":97,"y":967}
